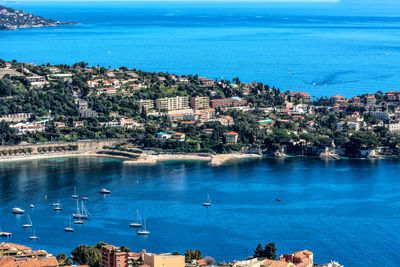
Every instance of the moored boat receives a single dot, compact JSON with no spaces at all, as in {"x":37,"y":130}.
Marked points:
{"x":69,"y":229}
{"x":17,"y":211}
{"x":28,"y":224}
{"x":208,"y":202}
{"x":138,"y":222}
{"x":104,"y":191}
{"x":144,"y":231}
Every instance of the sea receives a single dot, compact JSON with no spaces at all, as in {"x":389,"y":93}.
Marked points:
{"x":346,"y":48}
{"x":344,"y":210}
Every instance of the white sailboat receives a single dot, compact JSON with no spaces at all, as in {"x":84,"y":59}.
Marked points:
{"x":57,"y":208}
{"x":82,"y":213}
{"x":34,"y":237}
{"x":69,"y":229}
{"x":138,"y":222}
{"x":74,"y":195}
{"x":208,"y":202}
{"x":28,"y":224}
{"x":143,"y":232}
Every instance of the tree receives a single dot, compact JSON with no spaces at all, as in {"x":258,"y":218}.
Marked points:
{"x":270,"y":251}
{"x":259,"y":252}
{"x":87,"y":255}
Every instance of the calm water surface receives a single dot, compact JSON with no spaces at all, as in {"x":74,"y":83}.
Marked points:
{"x":333,"y":208}
{"x":322,"y":51}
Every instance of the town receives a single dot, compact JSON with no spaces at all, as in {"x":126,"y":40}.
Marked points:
{"x":167,"y":113}
{"x":105,"y":255}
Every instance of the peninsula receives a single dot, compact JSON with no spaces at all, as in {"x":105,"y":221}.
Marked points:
{"x":54,"y":110}
{"x":12,"y":19}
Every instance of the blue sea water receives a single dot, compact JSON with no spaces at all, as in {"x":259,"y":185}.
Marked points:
{"x":347,"y":210}
{"x":322,"y":49}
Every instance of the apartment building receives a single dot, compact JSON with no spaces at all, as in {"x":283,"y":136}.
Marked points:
{"x":200,"y":102}
{"x":173,"y":103}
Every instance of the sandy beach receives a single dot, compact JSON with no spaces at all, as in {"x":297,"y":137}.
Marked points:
{"x":214,"y":160}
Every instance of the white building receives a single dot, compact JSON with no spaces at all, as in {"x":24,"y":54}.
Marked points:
{"x":173,"y":103}
{"x":382,"y":115}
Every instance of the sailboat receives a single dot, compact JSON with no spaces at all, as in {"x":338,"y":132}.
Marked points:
{"x":143,"y":232}
{"x":85,"y":198}
{"x":34,"y":237}
{"x":208,"y":202}
{"x":83,"y":213}
{"x":57,"y":208}
{"x":28,"y":224}
{"x":74,"y":195}
{"x":4,"y":234}
{"x":57,"y":204}
{"x":138,"y":222}
{"x":69,"y":229}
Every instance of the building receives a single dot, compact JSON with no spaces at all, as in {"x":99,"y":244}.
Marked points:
{"x":145,"y":103}
{"x":87,"y":113}
{"x":163,"y":260}
{"x":301,"y":258}
{"x":53,"y":69}
{"x":200,"y":102}
{"x":93,"y":84}
{"x":304,"y":98}
{"x":179,"y":137}
{"x":332,"y":264}
{"x":206,"y":82}
{"x":14,"y":255}
{"x":393,"y":95}
{"x":115,"y":257}
{"x":370,"y":100}
{"x":18,"y":117}
{"x":227,"y":102}
{"x":231,"y":137}
{"x":128,"y":123}
{"x":24,"y":128}
{"x":338,"y":99}
{"x":78,"y":124}
{"x":173,"y":103}
{"x":37,"y":81}
{"x":394,"y":126}
{"x":108,"y":90}
{"x":163,"y":136}
{"x":58,"y":124}
{"x":382,"y":115}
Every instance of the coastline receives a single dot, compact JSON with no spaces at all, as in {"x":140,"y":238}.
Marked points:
{"x":214,"y":160}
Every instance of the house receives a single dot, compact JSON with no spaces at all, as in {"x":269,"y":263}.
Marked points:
{"x":394,"y":126}
{"x":145,"y":103}
{"x":300,"y":259}
{"x":78,"y":124}
{"x":37,"y":81}
{"x":24,"y":128}
{"x":163,"y":260}
{"x":382,"y":115}
{"x":87,"y":113}
{"x":349,"y":124}
{"x":208,"y":132}
{"x":231,"y":137}
{"x":14,"y":255}
{"x":108,"y":90}
{"x":93,"y":84}
{"x":58,"y":124}
{"x":133,"y":76}
{"x":183,"y":80}
{"x":337,"y":99}
{"x":163,"y":136}
{"x":267,"y":123}
{"x":206,"y":82}
{"x":300,"y":96}
{"x":226,"y":120}
{"x":128,"y":123}
{"x":112,"y":256}
{"x":8,"y":65}
{"x":53,"y":69}
{"x":179,"y":136}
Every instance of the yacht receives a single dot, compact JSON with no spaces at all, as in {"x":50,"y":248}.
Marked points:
{"x":17,"y":210}
{"x":138,"y":222}
{"x":143,"y":232}
{"x":74,"y":195}
{"x":28,"y":224}
{"x":57,"y":208}
{"x":32,"y":206}
{"x":4,"y":234}
{"x":69,"y":229}
{"x":34,"y":237}
{"x":78,"y":222}
{"x":104,"y":191}
{"x":82,"y":213}
{"x":57,"y":204}
{"x":85,"y":198}
{"x":208,"y":202}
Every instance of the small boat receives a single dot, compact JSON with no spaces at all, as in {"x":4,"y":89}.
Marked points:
{"x":208,"y":202}
{"x":82,"y":213}
{"x":104,"y":191}
{"x":57,"y":208}
{"x":17,"y":211}
{"x":4,"y":234}
{"x":85,"y":198}
{"x":57,"y":204}
{"x":74,"y":195}
{"x":78,"y":222}
{"x":278,"y":199}
{"x":143,"y":232}
{"x":34,"y":237}
{"x":28,"y":224}
{"x":69,"y":229}
{"x":32,"y":206}
{"x":138,"y":222}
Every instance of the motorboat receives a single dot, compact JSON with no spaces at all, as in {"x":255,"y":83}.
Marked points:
{"x":104,"y":191}
{"x":17,"y":211}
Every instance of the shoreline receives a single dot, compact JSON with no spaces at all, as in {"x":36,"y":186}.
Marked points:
{"x":214,"y":160}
